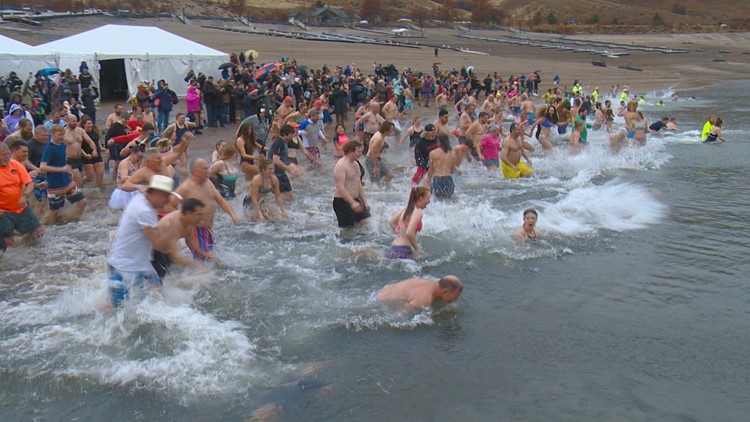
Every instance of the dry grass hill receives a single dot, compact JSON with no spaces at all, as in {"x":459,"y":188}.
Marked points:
{"x":609,"y":16}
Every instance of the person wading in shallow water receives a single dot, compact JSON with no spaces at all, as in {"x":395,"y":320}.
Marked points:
{"x":349,"y":201}
{"x":528,"y":231}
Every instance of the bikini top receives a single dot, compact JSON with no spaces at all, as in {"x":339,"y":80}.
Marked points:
{"x":405,"y":224}
{"x":229,"y":177}
{"x":265,"y":189}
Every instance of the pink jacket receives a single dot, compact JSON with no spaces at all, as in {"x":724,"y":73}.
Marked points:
{"x":193,"y":100}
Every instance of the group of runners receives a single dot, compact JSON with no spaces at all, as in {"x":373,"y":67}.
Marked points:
{"x":166,"y":197}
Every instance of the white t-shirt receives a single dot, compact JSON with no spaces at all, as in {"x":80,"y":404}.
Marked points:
{"x":131,"y":250}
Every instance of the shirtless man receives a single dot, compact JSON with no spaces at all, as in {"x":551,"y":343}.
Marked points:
{"x":74,"y":138}
{"x":441,"y":101}
{"x":370,"y":123}
{"x":464,"y":121}
{"x":441,"y":123}
{"x":286,"y":112}
{"x":154,"y":163}
{"x":475,"y":132}
{"x":390,"y":111}
{"x":418,"y":293}
{"x":515,"y":106}
{"x":512,"y":150}
{"x":176,"y":225}
{"x":198,"y":186}
{"x":114,"y":117}
{"x":349,"y":202}
{"x":379,"y":172}
{"x":527,"y":107}
{"x":442,"y":165}
{"x":489,"y":105}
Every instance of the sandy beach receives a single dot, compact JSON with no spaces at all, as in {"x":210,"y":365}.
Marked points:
{"x":680,"y":71}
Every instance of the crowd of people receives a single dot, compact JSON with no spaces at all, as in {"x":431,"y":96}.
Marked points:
{"x":285,"y":123}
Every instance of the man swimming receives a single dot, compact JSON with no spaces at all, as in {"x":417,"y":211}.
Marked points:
{"x":418,"y":293}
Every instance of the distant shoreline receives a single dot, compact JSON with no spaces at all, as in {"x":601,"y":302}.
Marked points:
{"x":684,"y":72}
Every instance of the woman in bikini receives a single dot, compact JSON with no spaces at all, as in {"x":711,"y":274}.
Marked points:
{"x":220,"y":145}
{"x":249,"y":150}
{"x":545,"y":122}
{"x":339,"y":141}
{"x":256,"y":203}
{"x":92,"y":166}
{"x":119,"y":198}
{"x":528,"y":230}
{"x":640,"y":127}
{"x":715,"y":134}
{"x":414,"y":133}
{"x":406,"y":223}
{"x":224,"y":173}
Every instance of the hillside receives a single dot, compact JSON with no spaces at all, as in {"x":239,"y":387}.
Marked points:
{"x":609,"y":16}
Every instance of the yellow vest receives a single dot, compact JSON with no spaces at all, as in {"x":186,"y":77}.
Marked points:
{"x":706,"y":130}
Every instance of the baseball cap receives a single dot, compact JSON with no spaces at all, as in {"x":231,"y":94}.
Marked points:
{"x":430,"y":127}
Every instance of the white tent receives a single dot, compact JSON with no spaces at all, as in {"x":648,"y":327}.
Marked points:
{"x":147,"y":53}
{"x":21,"y":58}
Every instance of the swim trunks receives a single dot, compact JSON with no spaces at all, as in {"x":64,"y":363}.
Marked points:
{"x":314,"y":151}
{"x":345,"y":214}
{"x":510,"y":173}
{"x":418,"y":175}
{"x":75,"y":163}
{"x":122,"y":282}
{"x":161,"y":262}
{"x":443,"y":187}
{"x":57,"y":200}
{"x":24,"y":222}
{"x":40,"y":193}
{"x":204,"y":237}
{"x":381,"y":166}
{"x":490,"y":163}
{"x":284,"y":184}
{"x":399,"y":252}
{"x":366,"y":136}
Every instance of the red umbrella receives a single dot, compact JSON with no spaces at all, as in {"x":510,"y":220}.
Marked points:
{"x":266,"y":69}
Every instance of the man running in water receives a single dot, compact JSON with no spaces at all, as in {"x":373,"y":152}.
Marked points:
{"x":442,"y":165}
{"x":198,"y":186}
{"x":422,"y":152}
{"x":512,"y":151}
{"x":349,"y":201}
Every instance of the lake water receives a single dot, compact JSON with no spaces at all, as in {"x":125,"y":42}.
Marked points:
{"x":632,"y":307}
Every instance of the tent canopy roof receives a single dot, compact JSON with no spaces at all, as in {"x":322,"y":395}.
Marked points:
{"x":122,"y":41}
{"x":11,"y":46}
